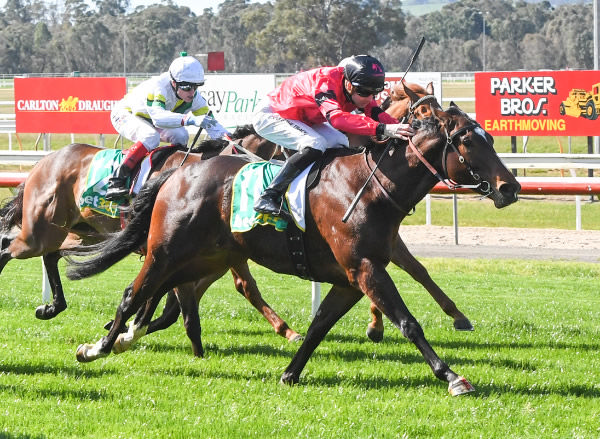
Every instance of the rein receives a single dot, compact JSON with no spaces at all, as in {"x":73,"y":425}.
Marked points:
{"x":380,"y":185}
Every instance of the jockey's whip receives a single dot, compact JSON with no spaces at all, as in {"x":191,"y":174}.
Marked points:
{"x":194,"y":141}
{"x":414,"y":57}
{"x":362,"y":189}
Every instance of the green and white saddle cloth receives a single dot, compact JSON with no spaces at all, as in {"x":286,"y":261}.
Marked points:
{"x":101,"y":169}
{"x":247,"y":187}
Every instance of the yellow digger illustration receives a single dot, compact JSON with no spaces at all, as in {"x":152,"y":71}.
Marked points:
{"x":581,"y":103}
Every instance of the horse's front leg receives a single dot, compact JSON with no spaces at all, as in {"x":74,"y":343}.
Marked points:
{"x":246,"y":286}
{"x":59,"y":304}
{"x":338,"y":302}
{"x":376,"y":283}
{"x":133,"y":298}
{"x":402,"y":257}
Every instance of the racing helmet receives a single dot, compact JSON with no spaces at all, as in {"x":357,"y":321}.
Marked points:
{"x":187,"y":69}
{"x":365,"y":73}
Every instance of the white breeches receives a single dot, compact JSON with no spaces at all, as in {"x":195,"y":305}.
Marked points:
{"x":138,"y":129}
{"x":296,"y":135}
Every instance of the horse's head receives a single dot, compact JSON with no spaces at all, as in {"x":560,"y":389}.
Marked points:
{"x":467,"y":158}
{"x":406,"y":98}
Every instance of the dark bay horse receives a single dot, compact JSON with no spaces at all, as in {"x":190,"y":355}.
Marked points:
{"x":196,"y":241}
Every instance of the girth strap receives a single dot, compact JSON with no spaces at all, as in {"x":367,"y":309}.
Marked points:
{"x":295,"y":242}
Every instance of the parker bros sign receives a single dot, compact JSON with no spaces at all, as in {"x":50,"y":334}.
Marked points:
{"x":66,"y":105}
{"x":542,"y":103}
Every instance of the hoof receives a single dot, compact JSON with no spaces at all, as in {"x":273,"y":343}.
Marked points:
{"x":463,"y":325}
{"x":83,"y":353}
{"x":288,"y":379}
{"x":47,"y":312}
{"x":375,"y":335}
{"x":460,"y":386}
{"x":296,"y":338}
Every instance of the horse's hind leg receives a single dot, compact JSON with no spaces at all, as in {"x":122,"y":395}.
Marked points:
{"x":138,"y":328}
{"x":246,"y":286}
{"x":134,"y":296}
{"x":59,"y":304}
{"x":169,"y":316}
{"x":405,"y":260}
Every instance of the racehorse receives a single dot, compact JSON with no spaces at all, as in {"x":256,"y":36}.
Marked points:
{"x":183,"y":217}
{"x":399,"y":105}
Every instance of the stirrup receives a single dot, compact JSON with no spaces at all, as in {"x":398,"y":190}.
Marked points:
{"x":118,"y":190}
{"x":268,"y":206}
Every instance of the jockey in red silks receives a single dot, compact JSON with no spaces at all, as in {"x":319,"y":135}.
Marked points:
{"x":158,"y":110}
{"x":310,"y":111}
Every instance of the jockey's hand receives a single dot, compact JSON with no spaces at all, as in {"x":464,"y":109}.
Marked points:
{"x":190,"y":119}
{"x":399,"y":130}
{"x":205,"y":121}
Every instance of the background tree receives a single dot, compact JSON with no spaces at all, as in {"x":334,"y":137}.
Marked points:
{"x":284,"y":36}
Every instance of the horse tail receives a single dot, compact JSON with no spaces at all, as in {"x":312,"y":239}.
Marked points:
{"x":11,"y":212}
{"x":119,"y":244}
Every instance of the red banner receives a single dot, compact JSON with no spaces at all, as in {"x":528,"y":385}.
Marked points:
{"x":66,"y":105}
{"x":542,"y":103}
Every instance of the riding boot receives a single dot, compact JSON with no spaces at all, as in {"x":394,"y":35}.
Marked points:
{"x":270,"y":201}
{"x":118,"y":184}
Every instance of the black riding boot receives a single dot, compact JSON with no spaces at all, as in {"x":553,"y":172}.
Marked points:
{"x":270,"y":200}
{"x":117,"y":185}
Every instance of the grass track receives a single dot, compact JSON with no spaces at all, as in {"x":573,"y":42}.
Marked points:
{"x":533,"y":358}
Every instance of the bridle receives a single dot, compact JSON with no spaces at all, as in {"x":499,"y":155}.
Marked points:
{"x":482,"y":186}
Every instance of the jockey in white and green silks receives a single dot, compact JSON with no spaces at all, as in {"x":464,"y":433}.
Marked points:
{"x":158,"y":109}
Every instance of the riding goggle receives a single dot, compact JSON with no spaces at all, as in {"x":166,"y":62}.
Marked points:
{"x":366,"y":91}
{"x":187,"y":86}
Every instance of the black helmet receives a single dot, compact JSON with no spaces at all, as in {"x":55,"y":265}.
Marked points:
{"x":365,"y":72}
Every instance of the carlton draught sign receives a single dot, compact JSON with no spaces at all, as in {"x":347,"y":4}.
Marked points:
{"x":66,"y":105}
{"x":543,"y":103}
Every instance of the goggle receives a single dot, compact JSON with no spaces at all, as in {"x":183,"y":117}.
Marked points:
{"x":365,"y":91}
{"x":187,"y":86}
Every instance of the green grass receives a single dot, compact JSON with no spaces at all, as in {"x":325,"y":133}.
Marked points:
{"x":532,"y":358}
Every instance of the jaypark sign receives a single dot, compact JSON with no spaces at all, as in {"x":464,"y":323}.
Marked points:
{"x":541,"y":103}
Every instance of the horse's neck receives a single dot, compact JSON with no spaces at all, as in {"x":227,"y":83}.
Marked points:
{"x":405,"y":181}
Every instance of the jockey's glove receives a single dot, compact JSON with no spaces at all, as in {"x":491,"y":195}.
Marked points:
{"x":204,"y":121}
{"x":399,"y":130}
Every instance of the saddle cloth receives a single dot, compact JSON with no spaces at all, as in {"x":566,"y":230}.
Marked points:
{"x":247,"y":186}
{"x":101,"y":170}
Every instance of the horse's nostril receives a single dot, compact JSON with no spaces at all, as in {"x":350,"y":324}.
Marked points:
{"x":509,"y":190}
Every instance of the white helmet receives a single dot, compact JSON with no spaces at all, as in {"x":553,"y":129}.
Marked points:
{"x":187,"y":69}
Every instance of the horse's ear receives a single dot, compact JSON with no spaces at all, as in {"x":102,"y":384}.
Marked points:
{"x":452,"y":104}
{"x":429,"y":88}
{"x":411,"y":94}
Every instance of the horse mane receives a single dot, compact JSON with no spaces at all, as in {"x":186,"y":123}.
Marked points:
{"x":243,"y":131}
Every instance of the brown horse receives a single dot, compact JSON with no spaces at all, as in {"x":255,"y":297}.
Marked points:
{"x":196,"y":241}
{"x":399,"y":106}
{"x":45,"y":218}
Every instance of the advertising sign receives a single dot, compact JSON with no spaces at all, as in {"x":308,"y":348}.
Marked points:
{"x":66,"y":105}
{"x":542,"y":103}
{"x":234,"y":98}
